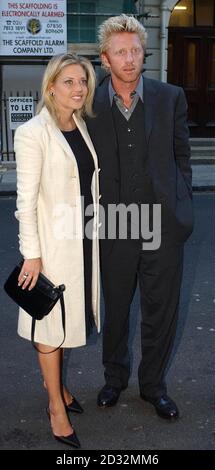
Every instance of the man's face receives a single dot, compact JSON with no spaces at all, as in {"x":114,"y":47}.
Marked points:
{"x":124,"y":56}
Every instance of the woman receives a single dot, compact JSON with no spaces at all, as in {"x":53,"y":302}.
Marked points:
{"x":56,"y":165}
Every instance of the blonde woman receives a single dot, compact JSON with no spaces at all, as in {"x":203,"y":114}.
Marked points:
{"x":56,"y":168}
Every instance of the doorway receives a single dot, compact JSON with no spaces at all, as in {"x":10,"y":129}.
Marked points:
{"x":191,"y":61}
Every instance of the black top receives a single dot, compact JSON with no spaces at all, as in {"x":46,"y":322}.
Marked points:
{"x":84,"y":161}
{"x":86,"y":169}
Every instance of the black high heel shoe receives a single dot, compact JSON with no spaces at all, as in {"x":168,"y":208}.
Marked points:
{"x":71,"y":440}
{"x":74,"y":406}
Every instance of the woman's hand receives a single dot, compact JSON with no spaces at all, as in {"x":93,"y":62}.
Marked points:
{"x":29,"y":273}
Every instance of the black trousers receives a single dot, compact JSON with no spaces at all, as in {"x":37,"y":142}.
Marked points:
{"x":159,"y":275}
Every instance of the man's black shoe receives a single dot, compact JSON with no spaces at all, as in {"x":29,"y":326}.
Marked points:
{"x":165,"y":407}
{"x":108,"y":396}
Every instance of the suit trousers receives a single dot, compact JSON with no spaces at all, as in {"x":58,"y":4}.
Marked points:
{"x":159,"y":275}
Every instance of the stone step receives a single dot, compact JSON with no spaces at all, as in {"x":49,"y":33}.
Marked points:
{"x":202,"y":161}
{"x":203,"y":151}
{"x":202,"y":142}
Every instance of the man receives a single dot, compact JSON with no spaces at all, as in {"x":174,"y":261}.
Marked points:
{"x":141,"y":137}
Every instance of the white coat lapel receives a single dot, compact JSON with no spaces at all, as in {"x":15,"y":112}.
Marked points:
{"x":55,"y":132}
{"x":63,"y":142}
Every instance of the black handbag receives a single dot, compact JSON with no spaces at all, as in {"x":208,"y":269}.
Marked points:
{"x":37,"y":302}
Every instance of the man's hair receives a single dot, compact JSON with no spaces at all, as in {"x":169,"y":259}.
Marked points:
{"x":53,"y":69}
{"x":120,"y":24}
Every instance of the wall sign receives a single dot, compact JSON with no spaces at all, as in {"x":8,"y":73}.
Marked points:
{"x":34,"y":28}
{"x":21,"y":109}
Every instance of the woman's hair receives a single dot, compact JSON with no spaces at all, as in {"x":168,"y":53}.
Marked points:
{"x":119,"y":24}
{"x":53,"y":69}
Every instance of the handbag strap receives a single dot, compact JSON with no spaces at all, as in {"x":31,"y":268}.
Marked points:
{"x":63,"y":316}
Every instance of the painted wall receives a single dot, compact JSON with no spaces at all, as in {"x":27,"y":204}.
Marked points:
{"x":162,"y":9}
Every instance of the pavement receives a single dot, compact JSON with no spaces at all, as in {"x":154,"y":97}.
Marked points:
{"x":203,"y":179}
{"x":132,"y":425}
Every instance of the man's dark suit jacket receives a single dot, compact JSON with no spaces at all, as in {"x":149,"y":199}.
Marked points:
{"x":168,"y":152}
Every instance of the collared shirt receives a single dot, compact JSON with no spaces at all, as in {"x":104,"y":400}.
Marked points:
{"x":135,"y":95}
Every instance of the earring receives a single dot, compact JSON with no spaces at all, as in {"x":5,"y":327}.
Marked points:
{"x":51,"y":93}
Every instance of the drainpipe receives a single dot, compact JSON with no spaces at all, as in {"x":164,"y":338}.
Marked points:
{"x":163,"y":33}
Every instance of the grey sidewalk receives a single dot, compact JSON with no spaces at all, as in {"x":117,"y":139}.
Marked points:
{"x":7,"y":181}
{"x":203,"y":179}
{"x":132,"y":424}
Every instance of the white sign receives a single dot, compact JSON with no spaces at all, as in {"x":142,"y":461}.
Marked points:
{"x":21,"y":109}
{"x":34,"y":28}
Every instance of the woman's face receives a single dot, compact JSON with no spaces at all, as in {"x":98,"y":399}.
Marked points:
{"x":70,"y":88}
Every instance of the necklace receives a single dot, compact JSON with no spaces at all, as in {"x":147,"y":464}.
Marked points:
{"x":71,"y":125}
{"x":68,"y":130}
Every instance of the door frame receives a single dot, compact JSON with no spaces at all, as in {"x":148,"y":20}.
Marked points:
{"x":204,"y":126}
